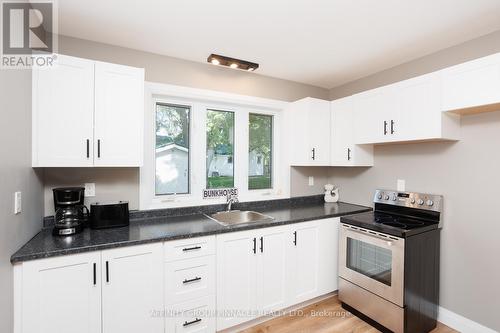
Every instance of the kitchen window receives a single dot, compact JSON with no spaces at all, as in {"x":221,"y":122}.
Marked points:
{"x":197,"y":139}
{"x":260,"y":151}
{"x":172,"y":149}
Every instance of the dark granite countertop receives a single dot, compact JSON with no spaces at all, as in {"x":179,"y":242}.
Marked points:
{"x":160,"y":225}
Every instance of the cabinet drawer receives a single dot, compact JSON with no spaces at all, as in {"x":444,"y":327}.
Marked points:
{"x":189,"y":279}
{"x":195,"y":316}
{"x":189,"y":248}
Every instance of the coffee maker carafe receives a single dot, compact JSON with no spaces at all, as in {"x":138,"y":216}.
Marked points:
{"x":71,"y":215}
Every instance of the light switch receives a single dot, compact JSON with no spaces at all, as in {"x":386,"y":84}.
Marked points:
{"x":90,"y":189}
{"x":401,"y":185}
{"x":17,"y":202}
{"x":311,"y":181}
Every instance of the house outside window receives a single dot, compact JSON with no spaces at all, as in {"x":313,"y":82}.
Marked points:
{"x":172,"y":149}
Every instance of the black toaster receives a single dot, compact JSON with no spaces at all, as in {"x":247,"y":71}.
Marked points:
{"x":109,"y":215}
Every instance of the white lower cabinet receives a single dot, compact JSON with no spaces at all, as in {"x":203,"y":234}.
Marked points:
{"x":60,"y":295}
{"x":200,"y":284}
{"x":190,"y":285}
{"x":264,"y":270}
{"x":132,"y":288}
{"x":236,"y":278}
{"x":196,"y":316}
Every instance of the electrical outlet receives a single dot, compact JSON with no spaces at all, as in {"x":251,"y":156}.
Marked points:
{"x":401,"y":185}
{"x":311,"y":181}
{"x":17,"y":202}
{"x":90,"y":189}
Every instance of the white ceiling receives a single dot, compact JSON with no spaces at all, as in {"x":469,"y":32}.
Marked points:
{"x":320,"y":42}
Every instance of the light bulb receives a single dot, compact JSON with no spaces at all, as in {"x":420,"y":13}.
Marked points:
{"x":233,"y":65}
{"x":215,"y":61}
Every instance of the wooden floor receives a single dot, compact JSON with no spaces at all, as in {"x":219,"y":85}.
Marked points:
{"x":326,"y":316}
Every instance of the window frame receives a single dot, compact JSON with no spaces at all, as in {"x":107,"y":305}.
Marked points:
{"x":200,"y":101}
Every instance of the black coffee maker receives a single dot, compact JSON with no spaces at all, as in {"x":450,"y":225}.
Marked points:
{"x":71,"y":215}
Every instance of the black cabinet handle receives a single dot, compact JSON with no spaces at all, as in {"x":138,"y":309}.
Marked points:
{"x":99,"y":148}
{"x":187,"y":323}
{"x":255,"y":245}
{"x":385,"y":127}
{"x":88,"y":148}
{"x":295,"y":238}
{"x":392,"y":126}
{"x":313,"y":154}
{"x":186,"y":249}
{"x":348,"y":154}
{"x":107,"y":271}
{"x":95,"y":274}
{"x":261,"y":244}
{"x":191,"y":280}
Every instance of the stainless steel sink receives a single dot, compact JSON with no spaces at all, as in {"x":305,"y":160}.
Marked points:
{"x":239,"y":217}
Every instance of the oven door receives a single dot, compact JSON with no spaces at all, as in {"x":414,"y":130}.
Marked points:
{"x":373,"y":261}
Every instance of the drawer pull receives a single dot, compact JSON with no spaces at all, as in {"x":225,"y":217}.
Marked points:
{"x":187,"y":323}
{"x":191,"y":280}
{"x":186,"y":249}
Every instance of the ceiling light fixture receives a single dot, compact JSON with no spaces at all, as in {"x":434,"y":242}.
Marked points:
{"x":216,"y":59}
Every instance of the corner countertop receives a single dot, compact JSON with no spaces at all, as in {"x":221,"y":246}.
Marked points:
{"x":149,"y":228}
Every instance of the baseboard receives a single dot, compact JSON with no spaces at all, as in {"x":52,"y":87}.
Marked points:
{"x":460,"y":323}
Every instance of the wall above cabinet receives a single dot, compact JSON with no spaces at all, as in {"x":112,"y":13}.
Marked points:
{"x":87,"y":113}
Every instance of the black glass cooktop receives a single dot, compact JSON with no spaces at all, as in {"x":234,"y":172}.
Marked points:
{"x":392,"y":224}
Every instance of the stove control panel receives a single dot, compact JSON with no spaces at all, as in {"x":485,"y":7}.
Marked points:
{"x":409,"y":199}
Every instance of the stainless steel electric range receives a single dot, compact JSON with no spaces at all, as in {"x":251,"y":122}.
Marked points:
{"x":389,"y":262}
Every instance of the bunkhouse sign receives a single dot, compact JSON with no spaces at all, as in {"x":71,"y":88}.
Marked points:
{"x":211,"y":193}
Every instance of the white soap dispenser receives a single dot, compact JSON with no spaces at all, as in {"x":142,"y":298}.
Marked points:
{"x":331,"y":193}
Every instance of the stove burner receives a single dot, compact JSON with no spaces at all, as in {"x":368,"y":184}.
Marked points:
{"x":397,"y":222}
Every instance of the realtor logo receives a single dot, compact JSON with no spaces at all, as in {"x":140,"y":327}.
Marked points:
{"x":28,"y":30}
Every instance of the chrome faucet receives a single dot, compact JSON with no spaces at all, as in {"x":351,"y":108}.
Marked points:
{"x":231,"y":199}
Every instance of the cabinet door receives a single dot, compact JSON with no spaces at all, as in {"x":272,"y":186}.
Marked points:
{"x":236,"y":278}
{"x":304,"y":262}
{"x":318,"y":129}
{"x":308,"y":132}
{"x":474,"y":83}
{"x":132,"y":289}
{"x":62,"y":294}
{"x":418,"y":104}
{"x":63,"y":111}
{"x":372,"y":116}
{"x":342,"y":132}
{"x":119,"y":115}
{"x":272,"y":268}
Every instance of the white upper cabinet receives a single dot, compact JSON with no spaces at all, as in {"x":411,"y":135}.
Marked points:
{"x":406,"y":111}
{"x":308,"y":132}
{"x":63,"y":113}
{"x":374,"y":110}
{"x":87,"y":113}
{"x":472,"y":85}
{"x":119,"y":94}
{"x":343,"y":150}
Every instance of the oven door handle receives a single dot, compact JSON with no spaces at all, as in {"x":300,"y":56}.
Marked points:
{"x":389,"y":240}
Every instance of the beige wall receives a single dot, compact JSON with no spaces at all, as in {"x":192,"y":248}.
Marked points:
{"x":16,"y":174}
{"x":467,"y":173}
{"x":123,"y":184}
